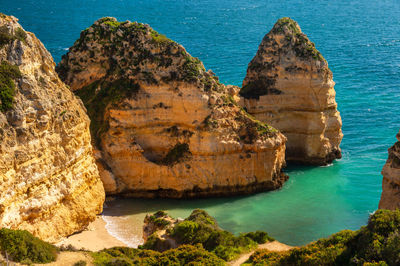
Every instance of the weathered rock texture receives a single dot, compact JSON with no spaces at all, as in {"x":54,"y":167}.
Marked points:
{"x":289,"y":85}
{"x":164,"y":126}
{"x":390,"y":198}
{"x":49,"y":182}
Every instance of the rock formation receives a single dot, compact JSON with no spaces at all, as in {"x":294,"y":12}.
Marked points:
{"x":289,"y":86}
{"x":390,"y":198}
{"x":49,"y":182}
{"x":163,"y":126}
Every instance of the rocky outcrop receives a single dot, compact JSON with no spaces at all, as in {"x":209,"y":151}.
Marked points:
{"x":49,"y":182}
{"x":163,"y":126}
{"x":289,"y":86}
{"x":390,"y":198}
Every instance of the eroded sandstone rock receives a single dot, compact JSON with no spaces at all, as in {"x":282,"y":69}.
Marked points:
{"x":163,"y":125}
{"x":49,"y":182}
{"x":390,"y":198}
{"x":289,"y":86}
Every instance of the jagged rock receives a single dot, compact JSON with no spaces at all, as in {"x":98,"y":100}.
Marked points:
{"x":289,"y":86}
{"x":154,"y":113}
{"x":49,"y":183}
{"x":390,"y":198}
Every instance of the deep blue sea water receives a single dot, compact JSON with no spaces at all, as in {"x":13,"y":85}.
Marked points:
{"x":359,"y":38}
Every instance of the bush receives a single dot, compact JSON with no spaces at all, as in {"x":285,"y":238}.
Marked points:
{"x":259,"y":236}
{"x":201,"y":228}
{"x":184,"y":255}
{"x":80,"y":263}
{"x":378,"y":243}
{"x":22,"y":246}
{"x":6,"y":37}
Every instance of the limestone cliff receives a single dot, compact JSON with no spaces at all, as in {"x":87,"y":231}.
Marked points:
{"x":390,"y":198}
{"x":163,"y":126}
{"x":289,"y":86}
{"x":49,"y":182}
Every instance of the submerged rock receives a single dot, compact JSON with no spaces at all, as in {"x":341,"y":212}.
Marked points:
{"x":49,"y":182}
{"x":162,"y":124}
{"x":289,"y":86}
{"x":390,"y":198}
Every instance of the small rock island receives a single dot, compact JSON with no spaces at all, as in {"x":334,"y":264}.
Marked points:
{"x":289,"y":86}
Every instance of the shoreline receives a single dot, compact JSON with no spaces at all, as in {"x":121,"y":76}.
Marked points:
{"x":94,"y":238}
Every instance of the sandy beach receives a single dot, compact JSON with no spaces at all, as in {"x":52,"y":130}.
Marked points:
{"x":94,"y":238}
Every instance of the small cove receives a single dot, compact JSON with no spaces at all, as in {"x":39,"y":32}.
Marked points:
{"x":361,"y":41}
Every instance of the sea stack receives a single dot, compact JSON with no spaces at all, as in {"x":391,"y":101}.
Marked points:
{"x":49,"y":182}
{"x":289,"y":86}
{"x":162,"y":124}
{"x":390,"y":198}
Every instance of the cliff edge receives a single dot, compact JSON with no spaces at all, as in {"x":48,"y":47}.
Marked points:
{"x":49,"y":182}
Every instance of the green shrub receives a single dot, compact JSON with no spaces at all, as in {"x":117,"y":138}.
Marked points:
{"x":184,"y":255}
{"x":159,"y":38}
{"x":8,"y":73}
{"x":192,"y":68}
{"x":80,"y":263}
{"x":378,"y":243}
{"x":20,"y":34}
{"x":22,"y":246}
{"x":201,"y":228}
{"x":259,"y":236}
{"x":160,"y":213}
{"x":6,"y":37}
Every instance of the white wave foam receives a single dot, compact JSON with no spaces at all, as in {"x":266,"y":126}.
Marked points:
{"x":328,"y":165}
{"x":116,"y":229}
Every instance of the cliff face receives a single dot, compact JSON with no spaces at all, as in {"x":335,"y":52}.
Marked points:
{"x":390,"y":198}
{"x":289,"y":86}
{"x":49,"y":182}
{"x":164,"y":126}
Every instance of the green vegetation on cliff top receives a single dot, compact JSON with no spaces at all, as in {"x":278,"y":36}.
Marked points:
{"x":303,"y":47}
{"x":6,"y":37}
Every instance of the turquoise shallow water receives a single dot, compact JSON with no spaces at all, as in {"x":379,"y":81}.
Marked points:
{"x":361,"y":41}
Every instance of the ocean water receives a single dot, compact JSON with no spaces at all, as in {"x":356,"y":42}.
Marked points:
{"x":359,"y":38}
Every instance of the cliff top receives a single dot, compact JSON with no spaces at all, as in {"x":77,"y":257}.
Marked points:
{"x":10,"y":32}
{"x":285,"y":50}
{"x":134,"y":50}
{"x":295,"y":39}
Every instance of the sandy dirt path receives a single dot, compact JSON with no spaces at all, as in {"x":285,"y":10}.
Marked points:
{"x":271,"y":246}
